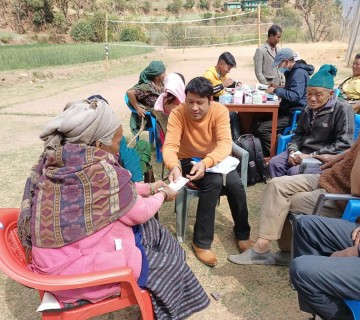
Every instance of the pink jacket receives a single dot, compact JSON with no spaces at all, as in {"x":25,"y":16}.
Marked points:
{"x":97,"y":252}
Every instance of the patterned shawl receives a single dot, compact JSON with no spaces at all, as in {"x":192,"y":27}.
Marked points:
{"x":72,"y":192}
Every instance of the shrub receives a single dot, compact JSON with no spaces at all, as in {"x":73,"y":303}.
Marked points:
{"x":132,"y":33}
{"x":60,"y":22}
{"x":146,"y":7}
{"x":175,"y":6}
{"x":288,"y":18}
{"x":189,"y":4}
{"x":204,"y":5}
{"x":176,"y":35}
{"x":82,"y":31}
{"x":97,"y":23}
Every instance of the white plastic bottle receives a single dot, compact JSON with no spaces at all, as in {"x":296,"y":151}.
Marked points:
{"x":238,"y":96}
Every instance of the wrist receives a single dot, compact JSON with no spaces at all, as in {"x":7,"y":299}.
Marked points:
{"x":165,"y":195}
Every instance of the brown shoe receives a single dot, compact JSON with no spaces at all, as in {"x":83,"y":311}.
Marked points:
{"x":244,"y":245}
{"x":205,"y":256}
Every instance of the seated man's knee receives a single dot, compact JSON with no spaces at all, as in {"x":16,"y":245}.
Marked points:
{"x":301,"y":269}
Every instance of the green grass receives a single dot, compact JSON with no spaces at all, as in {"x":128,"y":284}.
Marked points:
{"x":49,"y":55}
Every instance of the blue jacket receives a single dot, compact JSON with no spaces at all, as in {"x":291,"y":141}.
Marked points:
{"x":293,"y":95}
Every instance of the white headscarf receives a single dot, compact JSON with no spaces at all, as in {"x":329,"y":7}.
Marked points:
{"x":174,"y":85}
{"x":81,"y":122}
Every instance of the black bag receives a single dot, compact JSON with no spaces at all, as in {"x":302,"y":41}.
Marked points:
{"x":256,"y":167}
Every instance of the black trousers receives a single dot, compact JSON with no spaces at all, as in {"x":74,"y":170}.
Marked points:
{"x":261,"y":128}
{"x":211,"y":186}
{"x":322,"y":281}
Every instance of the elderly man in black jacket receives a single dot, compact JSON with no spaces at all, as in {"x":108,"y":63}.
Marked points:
{"x":326,"y":126}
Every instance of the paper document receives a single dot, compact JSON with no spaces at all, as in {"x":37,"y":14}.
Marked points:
{"x":225,"y":166}
{"x":178,"y":184}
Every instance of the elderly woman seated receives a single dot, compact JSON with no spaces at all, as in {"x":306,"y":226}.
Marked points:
{"x":350,"y":88}
{"x":81,"y":213}
{"x":149,"y":87}
{"x":326,"y":126}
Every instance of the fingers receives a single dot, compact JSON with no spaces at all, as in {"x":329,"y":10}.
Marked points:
{"x":197,"y":171}
{"x":355,"y":235}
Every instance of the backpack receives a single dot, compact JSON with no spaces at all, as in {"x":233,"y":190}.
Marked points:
{"x":256,"y":166}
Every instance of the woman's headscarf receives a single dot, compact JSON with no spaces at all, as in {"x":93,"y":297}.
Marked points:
{"x":174,"y":85}
{"x":154,"y":69}
{"x":81,"y":122}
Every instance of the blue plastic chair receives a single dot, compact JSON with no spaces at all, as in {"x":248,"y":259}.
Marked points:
{"x":282,"y":143}
{"x":294,"y":120}
{"x":357,"y":126}
{"x":352,"y":211}
{"x":151,"y":130}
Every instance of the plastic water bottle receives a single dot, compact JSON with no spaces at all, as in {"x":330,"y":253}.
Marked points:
{"x":238,"y":96}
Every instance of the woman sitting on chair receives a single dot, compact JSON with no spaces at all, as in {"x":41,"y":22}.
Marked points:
{"x":149,"y":87}
{"x":81,"y":213}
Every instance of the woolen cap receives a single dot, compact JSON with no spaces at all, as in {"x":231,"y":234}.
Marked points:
{"x":282,"y":55}
{"x":324,"y":78}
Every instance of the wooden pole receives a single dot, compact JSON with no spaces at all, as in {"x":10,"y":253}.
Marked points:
{"x":259,"y":39}
{"x":106,"y":47}
{"x":354,"y":35}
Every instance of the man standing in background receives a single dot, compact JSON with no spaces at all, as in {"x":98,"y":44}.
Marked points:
{"x":265,"y":55}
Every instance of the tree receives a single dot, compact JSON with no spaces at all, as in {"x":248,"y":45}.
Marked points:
{"x":320,"y":16}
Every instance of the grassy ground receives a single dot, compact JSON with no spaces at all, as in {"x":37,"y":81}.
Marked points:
{"x":50,"y":55}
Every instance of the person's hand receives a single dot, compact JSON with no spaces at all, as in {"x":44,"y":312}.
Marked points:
{"x":170,"y":194}
{"x":291,"y":160}
{"x":227,"y":82}
{"x":355,"y":235}
{"x":197,"y":171}
{"x":299,"y":157}
{"x":348,"y":252}
{"x":270,"y":89}
{"x":174,"y":174}
{"x":328,"y":159}
{"x":273,"y":85}
{"x":158,"y":184}
{"x":141,"y":112}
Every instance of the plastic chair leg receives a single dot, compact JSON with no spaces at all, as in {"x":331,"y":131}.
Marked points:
{"x":181,"y":199}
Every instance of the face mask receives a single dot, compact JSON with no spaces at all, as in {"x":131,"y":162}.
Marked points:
{"x":283,"y":70}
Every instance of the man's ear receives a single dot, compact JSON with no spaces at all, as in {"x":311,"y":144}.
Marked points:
{"x":211,"y":98}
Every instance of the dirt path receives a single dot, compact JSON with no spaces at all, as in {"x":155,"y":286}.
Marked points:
{"x":253,"y":293}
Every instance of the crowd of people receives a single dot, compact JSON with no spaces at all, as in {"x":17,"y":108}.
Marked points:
{"x":81,"y":197}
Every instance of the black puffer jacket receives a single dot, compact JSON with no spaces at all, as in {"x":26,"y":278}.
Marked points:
{"x":331,"y":132}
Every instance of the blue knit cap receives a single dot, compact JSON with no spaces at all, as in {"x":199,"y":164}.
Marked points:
{"x":324,"y":77}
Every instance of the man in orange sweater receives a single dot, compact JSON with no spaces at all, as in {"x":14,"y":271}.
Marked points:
{"x":199,"y":128}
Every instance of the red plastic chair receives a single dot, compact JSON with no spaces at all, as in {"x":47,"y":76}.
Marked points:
{"x":13,"y":263}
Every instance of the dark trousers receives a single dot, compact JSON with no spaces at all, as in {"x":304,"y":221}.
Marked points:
{"x":211,"y":186}
{"x":322,"y":281}
{"x":235,"y":126}
{"x":279,"y":166}
{"x":261,"y":128}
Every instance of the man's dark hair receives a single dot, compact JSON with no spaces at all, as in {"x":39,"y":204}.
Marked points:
{"x":200,"y":86}
{"x":228,"y":58}
{"x":357,"y":56}
{"x":274,"y":30}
